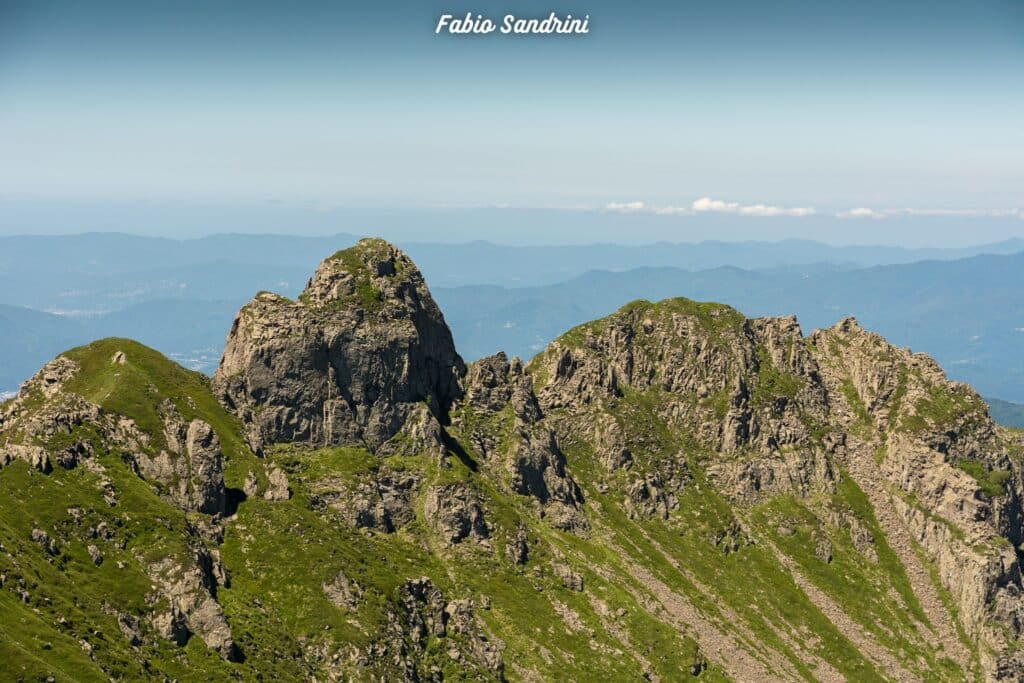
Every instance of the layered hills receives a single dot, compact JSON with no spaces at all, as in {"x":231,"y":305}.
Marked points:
{"x":674,"y":491}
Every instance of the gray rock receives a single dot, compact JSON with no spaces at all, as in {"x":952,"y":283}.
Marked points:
{"x":251,"y":485}
{"x":537,"y":469}
{"x":570,"y":579}
{"x":190,"y":590}
{"x":454,"y":513}
{"x":343,"y":592}
{"x":207,"y":468}
{"x":518,"y":548}
{"x":132,"y":629}
{"x":43,"y":540}
{"x":346,"y":364}
{"x":277,"y":485}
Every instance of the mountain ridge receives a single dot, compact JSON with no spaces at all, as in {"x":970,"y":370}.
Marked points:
{"x":671,"y":491}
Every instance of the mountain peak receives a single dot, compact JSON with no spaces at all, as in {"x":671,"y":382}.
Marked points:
{"x":348,"y":363}
{"x":372,"y":273}
{"x":593,"y":514}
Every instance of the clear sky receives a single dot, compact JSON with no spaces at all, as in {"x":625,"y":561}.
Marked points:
{"x":869,"y":113}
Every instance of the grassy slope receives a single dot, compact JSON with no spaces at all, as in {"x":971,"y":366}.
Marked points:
{"x":280,"y":554}
{"x":875,"y":595}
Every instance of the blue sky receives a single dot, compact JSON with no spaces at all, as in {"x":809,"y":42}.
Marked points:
{"x":760,"y":114}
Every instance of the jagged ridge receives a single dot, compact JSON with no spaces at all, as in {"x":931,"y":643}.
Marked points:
{"x":671,"y":491}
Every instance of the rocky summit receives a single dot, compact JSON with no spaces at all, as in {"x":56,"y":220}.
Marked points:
{"x":672,"y":492}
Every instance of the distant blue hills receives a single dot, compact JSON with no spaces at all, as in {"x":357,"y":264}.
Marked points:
{"x":961,"y":306}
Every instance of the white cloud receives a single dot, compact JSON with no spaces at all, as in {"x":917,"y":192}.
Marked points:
{"x":717,"y":205}
{"x":864,"y":212}
{"x":709,"y":204}
{"x":762,"y":210}
{"x":626,"y":207}
{"x":861,"y":212}
{"x":673,"y":210}
{"x":966,"y":213}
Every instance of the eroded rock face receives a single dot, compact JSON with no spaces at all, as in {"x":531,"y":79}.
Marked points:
{"x":424,"y":612}
{"x":348,"y":362}
{"x":455,"y":513}
{"x":382,"y":502}
{"x":25,"y":424}
{"x":343,"y":592}
{"x":207,"y":468}
{"x":734,"y":384}
{"x":190,"y":469}
{"x":910,"y":438}
{"x":502,"y":419}
{"x":782,"y":414}
{"x":187,"y":468}
{"x":537,"y":469}
{"x":190,"y":593}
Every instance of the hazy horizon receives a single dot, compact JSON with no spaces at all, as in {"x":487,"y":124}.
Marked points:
{"x":868,"y":122}
{"x":510,"y":226}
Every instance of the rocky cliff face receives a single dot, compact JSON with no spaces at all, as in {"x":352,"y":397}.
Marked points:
{"x":348,"y":362}
{"x":787,"y":415}
{"x":671,"y":492}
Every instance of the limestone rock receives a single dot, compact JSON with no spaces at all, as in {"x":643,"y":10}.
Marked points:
{"x":277,"y":485}
{"x":455,"y":514}
{"x":343,"y":592}
{"x":349,"y":361}
{"x":207,"y":469}
{"x":191,"y":592}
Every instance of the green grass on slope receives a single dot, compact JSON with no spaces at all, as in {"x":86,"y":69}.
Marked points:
{"x":749,"y":584}
{"x":875,"y":594}
{"x":133,"y":389}
{"x":282,"y":554}
{"x":279,"y":556}
{"x":70,"y":599}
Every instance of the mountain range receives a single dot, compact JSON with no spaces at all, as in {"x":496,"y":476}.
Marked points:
{"x":673,"y":491}
{"x":179,"y":296}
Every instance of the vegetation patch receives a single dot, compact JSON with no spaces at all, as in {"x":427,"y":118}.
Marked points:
{"x":991,"y":482}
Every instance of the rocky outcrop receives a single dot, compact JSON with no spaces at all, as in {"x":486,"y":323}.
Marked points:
{"x":424,"y":613}
{"x":189,"y":591}
{"x":277,"y":485}
{"x":190,"y":469}
{"x":537,"y":469}
{"x":736,"y":385}
{"x":47,"y":423}
{"x":349,"y":362}
{"x":39,"y":424}
{"x":343,"y":592}
{"x":206,"y":468}
{"x":502,"y":419}
{"x":783,"y":413}
{"x":925,"y":449}
{"x":455,"y":514}
{"x":382,"y":502}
